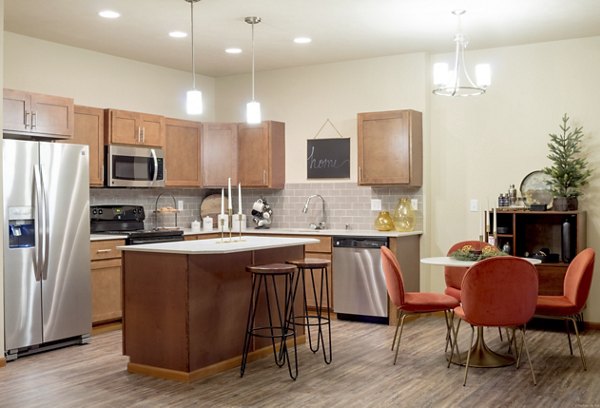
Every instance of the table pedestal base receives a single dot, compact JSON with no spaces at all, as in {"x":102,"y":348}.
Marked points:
{"x":482,"y":356}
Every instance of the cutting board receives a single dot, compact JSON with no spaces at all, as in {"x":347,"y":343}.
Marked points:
{"x":211,"y":207}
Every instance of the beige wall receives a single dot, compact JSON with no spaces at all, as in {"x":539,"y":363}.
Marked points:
{"x":1,"y":188}
{"x":100,"y":80}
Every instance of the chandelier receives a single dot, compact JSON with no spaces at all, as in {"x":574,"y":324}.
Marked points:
{"x":457,"y":82}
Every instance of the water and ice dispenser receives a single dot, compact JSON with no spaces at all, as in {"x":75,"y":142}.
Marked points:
{"x":21,"y":227}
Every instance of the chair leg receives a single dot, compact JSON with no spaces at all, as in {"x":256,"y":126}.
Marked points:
{"x":455,"y":342}
{"x":399,"y":336}
{"x":568,"y":330}
{"x":449,"y":324}
{"x":500,"y":333}
{"x":524,"y":342}
{"x":397,"y":326}
{"x":578,"y":343}
{"x":469,"y":355}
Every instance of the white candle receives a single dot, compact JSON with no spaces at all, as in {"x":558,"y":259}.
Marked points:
{"x":481,"y":217}
{"x":229,"y":207}
{"x":222,"y":201}
{"x":239,"y":198}
{"x":495,"y":222}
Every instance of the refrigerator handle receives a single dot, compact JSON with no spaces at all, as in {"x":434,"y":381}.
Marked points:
{"x":37,"y":177}
{"x":153,"y":152}
{"x":43,"y":227}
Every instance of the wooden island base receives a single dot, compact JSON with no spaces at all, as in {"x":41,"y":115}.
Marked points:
{"x":184,"y":314}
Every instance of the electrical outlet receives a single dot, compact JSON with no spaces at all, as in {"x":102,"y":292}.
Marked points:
{"x":474,"y":205}
{"x":180,"y":205}
{"x":414,"y":203}
{"x":375,"y":204}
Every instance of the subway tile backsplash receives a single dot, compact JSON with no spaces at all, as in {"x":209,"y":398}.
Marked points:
{"x":346,"y":203}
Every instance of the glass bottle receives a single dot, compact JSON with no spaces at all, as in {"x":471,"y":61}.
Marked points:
{"x":384,"y":222}
{"x":404,"y":216}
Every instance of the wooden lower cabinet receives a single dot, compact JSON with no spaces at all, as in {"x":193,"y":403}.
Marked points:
{"x":106,"y":281}
{"x":322,"y":250}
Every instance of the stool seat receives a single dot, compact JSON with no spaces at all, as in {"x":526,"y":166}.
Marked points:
{"x":310,"y":263}
{"x":271,"y":269}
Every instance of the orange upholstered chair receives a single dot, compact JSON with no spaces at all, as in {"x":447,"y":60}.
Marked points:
{"x":410,"y":302}
{"x":576,"y":289}
{"x":454,"y":274}
{"x":498,"y":292}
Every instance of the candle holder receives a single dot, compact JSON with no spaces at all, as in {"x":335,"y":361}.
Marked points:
{"x":240,"y":217}
{"x":222,"y":228}
{"x":230,"y":222}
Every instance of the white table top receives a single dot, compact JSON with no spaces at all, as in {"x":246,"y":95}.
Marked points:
{"x":449,"y":261}
{"x":215,"y":246}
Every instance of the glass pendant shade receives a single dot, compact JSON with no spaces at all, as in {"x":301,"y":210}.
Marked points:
{"x":253,"y":115}
{"x":193,"y":103}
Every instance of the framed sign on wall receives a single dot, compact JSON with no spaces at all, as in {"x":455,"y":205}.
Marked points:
{"x":328,"y":158}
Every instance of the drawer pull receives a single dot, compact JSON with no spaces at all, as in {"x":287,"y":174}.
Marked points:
{"x":103,"y":251}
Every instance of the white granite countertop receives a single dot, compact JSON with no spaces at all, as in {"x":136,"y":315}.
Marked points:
{"x":215,"y":246}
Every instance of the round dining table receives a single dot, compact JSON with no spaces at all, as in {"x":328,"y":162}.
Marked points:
{"x":481,"y":354}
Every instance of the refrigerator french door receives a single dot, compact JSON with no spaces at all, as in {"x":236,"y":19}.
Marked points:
{"x":47,"y":288}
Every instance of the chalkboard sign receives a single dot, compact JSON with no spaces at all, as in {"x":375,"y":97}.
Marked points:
{"x":328,"y":158}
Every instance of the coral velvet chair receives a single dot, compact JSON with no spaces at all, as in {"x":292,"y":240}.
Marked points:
{"x":498,"y":292}
{"x":410,"y":302}
{"x":576,"y":289}
{"x":454,"y":274}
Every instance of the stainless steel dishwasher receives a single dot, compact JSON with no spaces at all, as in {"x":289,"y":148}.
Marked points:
{"x":358,"y":280}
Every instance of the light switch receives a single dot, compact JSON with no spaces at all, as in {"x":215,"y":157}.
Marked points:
{"x":474,"y":205}
{"x":375,"y":204}
{"x":414,"y":202}
{"x":180,"y":205}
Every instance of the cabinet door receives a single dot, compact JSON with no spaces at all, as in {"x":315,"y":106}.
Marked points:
{"x":261,"y":155}
{"x":219,"y":154}
{"x":182,"y":151}
{"x":124,"y":127}
{"x":16,"y":110}
{"x":52,"y":115}
{"x":89,"y":130}
{"x":152,"y":130}
{"x":106,"y":291}
{"x":390,"y":148}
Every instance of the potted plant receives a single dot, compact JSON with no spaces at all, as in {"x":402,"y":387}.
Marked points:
{"x":569,"y":171}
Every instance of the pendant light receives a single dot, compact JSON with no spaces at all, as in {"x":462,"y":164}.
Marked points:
{"x":253,"y":107}
{"x":193,"y":102}
{"x":458,"y":82}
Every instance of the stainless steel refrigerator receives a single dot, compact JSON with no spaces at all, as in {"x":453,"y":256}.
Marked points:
{"x":47,"y":288}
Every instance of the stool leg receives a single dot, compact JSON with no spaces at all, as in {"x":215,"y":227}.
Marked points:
{"x":289,"y":325}
{"x":325,"y":283}
{"x":279,"y":359}
{"x":250,"y":323}
{"x":305,"y":309}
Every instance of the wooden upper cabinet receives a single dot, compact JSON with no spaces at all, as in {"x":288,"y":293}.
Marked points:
{"x":182,"y":153}
{"x":390,"y":148}
{"x":261,"y":155}
{"x":219,"y":154}
{"x":40,"y":115}
{"x":89,"y":130}
{"x":134,"y":128}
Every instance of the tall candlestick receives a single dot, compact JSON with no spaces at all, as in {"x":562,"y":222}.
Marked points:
{"x":495,"y":222}
{"x":239,"y":198}
{"x":222,"y":201}
{"x":481,"y":230}
{"x":229,"y":207}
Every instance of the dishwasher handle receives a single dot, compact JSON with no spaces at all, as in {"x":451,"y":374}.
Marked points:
{"x":359,"y":242}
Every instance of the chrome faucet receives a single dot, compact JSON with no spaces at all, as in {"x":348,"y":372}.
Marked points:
{"x":320,"y":224}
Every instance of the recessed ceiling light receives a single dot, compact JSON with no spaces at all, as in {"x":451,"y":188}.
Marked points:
{"x":177,"y":34}
{"x":109,"y":14}
{"x":302,"y":40}
{"x":233,"y":50}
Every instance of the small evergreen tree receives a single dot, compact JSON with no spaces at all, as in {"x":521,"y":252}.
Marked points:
{"x":569,"y":170}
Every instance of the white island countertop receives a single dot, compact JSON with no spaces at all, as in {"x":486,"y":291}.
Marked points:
{"x":216,"y":246}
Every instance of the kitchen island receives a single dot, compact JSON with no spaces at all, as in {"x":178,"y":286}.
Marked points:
{"x":185,"y":303}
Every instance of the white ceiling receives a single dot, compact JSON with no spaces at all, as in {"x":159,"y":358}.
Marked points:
{"x":340,"y":29}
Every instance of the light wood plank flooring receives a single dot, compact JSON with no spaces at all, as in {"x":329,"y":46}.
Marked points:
{"x":361,"y":375}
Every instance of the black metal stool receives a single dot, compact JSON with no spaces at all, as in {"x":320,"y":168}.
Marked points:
{"x":311,"y":320}
{"x":281,"y":329}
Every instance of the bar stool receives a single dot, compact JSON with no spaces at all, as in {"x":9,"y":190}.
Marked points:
{"x":318,"y":320}
{"x":264,"y":276}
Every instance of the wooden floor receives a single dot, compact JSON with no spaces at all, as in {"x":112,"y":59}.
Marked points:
{"x":361,"y":375}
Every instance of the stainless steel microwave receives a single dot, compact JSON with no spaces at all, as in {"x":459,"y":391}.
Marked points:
{"x":131,"y":166}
